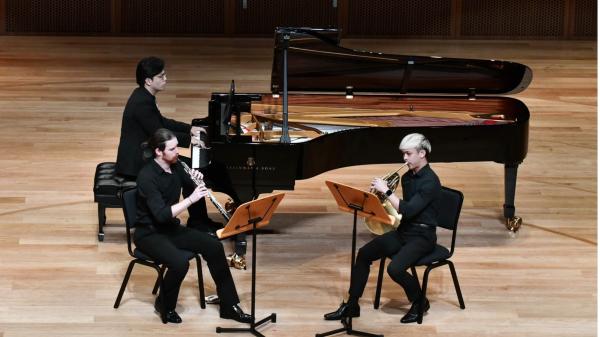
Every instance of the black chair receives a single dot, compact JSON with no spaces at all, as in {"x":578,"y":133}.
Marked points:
{"x":129,"y":210}
{"x":450,"y":206}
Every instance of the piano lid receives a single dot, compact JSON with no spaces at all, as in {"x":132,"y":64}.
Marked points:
{"x":316,"y":62}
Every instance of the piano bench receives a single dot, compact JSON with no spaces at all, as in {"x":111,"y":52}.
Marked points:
{"x":107,"y":192}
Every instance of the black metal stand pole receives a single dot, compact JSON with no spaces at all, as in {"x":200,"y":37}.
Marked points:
{"x":285,"y":136}
{"x":347,"y":321}
{"x":272,"y":317}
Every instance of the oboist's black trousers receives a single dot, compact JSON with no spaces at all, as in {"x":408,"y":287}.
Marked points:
{"x":166,"y":247}
{"x":405,"y":247}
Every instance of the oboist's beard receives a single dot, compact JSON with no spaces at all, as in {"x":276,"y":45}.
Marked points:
{"x":170,"y":160}
{"x":174,"y":160}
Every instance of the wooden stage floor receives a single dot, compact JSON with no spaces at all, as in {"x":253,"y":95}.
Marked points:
{"x":61,"y":100}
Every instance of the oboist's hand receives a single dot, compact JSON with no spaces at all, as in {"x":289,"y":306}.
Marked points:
{"x":379,"y":185}
{"x":196,"y":175}
{"x":200,"y":192}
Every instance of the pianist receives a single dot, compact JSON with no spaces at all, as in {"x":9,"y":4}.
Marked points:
{"x":141,"y":118}
{"x":414,"y":238}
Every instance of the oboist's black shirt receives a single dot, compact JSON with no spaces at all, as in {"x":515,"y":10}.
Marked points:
{"x":420,"y":191}
{"x":157,"y":192}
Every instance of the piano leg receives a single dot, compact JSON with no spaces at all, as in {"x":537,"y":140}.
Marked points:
{"x":513,"y":223}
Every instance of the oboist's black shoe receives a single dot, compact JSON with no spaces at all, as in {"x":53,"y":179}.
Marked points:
{"x":413,"y":314}
{"x":345,"y":310}
{"x":236,"y":313}
{"x":170,"y":316}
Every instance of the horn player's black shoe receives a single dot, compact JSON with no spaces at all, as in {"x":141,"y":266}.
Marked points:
{"x":413,"y":314}
{"x":345,"y":310}
{"x":170,"y":316}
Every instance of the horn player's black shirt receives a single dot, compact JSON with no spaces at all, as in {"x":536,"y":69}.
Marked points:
{"x":419,"y":192}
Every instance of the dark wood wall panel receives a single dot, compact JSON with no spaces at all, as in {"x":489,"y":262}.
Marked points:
{"x":400,"y":18}
{"x":262,"y":16}
{"x":513,"y":18}
{"x":585,"y":22}
{"x":443,"y":19}
{"x":58,"y":16}
{"x":172,"y":16}
{"x":2,"y":17}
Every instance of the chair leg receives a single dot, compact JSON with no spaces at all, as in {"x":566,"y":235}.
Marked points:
{"x":101,"y":221}
{"x":124,"y":284}
{"x":200,"y":282}
{"x":413,"y":270}
{"x":423,"y":294}
{"x":456,"y":285}
{"x":159,"y":278}
{"x":379,"y":283}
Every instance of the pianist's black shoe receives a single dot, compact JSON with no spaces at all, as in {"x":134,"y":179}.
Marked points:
{"x":413,"y":314}
{"x":236,"y":313}
{"x":345,"y":310}
{"x":170,"y":316}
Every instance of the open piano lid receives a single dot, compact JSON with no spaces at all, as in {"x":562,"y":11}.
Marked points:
{"x":316,"y":62}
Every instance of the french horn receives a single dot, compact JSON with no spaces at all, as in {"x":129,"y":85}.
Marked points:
{"x":376,"y":227}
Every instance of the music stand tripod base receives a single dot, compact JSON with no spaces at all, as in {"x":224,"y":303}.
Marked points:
{"x":250,"y":216}
{"x":272,"y":317}
{"x":356,"y":202}
{"x":252,"y":329}
{"x":347,"y":322}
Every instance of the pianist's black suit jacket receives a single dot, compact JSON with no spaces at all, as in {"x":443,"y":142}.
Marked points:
{"x":141,"y":119}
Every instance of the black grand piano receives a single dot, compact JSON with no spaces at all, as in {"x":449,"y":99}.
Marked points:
{"x":347,"y":107}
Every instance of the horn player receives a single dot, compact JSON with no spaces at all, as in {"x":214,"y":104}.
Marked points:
{"x":414,"y":238}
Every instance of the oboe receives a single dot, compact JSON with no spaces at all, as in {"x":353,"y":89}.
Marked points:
{"x":212,"y":198}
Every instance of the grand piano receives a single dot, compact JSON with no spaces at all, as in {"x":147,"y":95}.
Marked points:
{"x":338,"y":107}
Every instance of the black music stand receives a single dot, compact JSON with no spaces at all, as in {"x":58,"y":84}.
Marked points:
{"x":250,"y":216}
{"x":285,"y":135}
{"x":352,"y":200}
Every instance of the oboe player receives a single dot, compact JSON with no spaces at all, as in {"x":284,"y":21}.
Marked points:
{"x":160,"y":234}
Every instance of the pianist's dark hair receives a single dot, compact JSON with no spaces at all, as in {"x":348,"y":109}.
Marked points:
{"x":157,"y":141}
{"x":148,"y":67}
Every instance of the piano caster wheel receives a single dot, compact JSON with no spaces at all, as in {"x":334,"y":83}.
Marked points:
{"x":100,"y":237}
{"x":273,"y":318}
{"x":513,"y":224}
{"x":219,"y":330}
